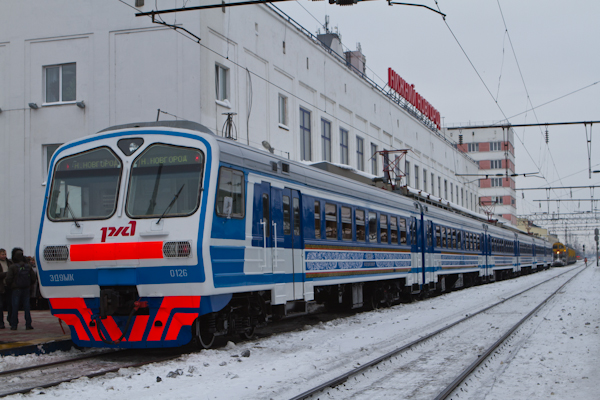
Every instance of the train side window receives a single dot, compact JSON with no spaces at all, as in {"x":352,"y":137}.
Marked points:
{"x":373,"y":227}
{"x":383,"y":226}
{"x":444,"y":242}
{"x":331,"y":227}
{"x":360,"y":225}
{"x":429,"y":235}
{"x":346,"y":223}
{"x":454,"y":238}
{"x":394,"y":230}
{"x":230,"y":194}
{"x":402,"y":231}
{"x":287,"y":218}
{"x":459,"y":240}
{"x":467,"y":241}
{"x":438,"y":237}
{"x":296,"y":210}
{"x":317,"y":219}
{"x":266,"y":214}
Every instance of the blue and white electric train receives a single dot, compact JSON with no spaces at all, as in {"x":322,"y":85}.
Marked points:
{"x":154,"y":234}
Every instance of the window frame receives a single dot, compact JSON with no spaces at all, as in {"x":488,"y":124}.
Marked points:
{"x":117,"y":191}
{"x":325,"y":140}
{"x":221,"y":72}
{"x":234,"y":172}
{"x":374,"y":164}
{"x":305,"y":135}
{"x":60,"y":84}
{"x":344,"y":147}
{"x":282,"y":110}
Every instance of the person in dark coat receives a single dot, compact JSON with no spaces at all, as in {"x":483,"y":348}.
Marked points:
{"x":4,"y":292}
{"x":20,"y":277}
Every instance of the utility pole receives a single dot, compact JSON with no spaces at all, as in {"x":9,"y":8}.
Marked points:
{"x":596,"y":239}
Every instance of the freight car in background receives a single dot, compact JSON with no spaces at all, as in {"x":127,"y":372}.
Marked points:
{"x":156,"y":234}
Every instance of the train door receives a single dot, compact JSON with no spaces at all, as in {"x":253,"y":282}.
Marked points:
{"x":429,"y":254}
{"x":484,"y":249}
{"x":417,"y":248}
{"x":292,"y":241}
{"x":268,"y":228}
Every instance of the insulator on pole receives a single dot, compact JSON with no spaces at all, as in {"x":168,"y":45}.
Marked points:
{"x":547,"y":136}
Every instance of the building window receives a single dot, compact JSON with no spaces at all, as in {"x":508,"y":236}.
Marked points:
{"x":283,"y":119}
{"x":374,"y":168}
{"x":416,"y":176}
{"x":326,"y":140}
{"x":496,"y":164}
{"x":495,"y":146}
{"x":452,"y":192}
{"x":445,"y":189}
{"x":343,"y":146}
{"x":497,"y":200}
{"x":432,"y":184}
{"x":360,"y":154}
{"x":305,"y":137}
{"x":407,"y":169}
{"x":60,"y":83}
{"x":439,"y":187}
{"x":473,"y":147}
{"x":425,"y":179}
{"x":221,"y":82}
{"x":462,"y":197}
{"x":496,"y":182}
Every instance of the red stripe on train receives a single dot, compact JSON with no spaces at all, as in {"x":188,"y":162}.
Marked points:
{"x":116,"y":251}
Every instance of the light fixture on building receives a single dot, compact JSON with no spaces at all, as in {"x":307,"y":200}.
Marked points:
{"x":268,"y":146}
{"x":33,"y":106}
{"x":80,"y":104}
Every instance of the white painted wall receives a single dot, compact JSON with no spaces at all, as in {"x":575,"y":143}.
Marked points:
{"x":128,"y":68}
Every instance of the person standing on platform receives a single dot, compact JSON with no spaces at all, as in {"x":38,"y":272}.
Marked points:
{"x":4,"y":292}
{"x":20,"y":277}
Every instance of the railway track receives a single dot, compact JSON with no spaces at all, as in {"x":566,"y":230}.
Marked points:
{"x":23,"y":380}
{"x":455,"y":352}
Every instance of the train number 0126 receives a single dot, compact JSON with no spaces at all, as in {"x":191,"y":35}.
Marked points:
{"x":179,"y":273}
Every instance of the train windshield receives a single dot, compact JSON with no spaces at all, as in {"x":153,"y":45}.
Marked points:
{"x":85,"y":186}
{"x":165,"y":182}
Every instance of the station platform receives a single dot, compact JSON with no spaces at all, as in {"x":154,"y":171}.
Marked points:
{"x":45,"y":337}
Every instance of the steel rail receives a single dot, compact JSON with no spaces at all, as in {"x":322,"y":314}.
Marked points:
{"x":469,"y":370}
{"x":50,"y":364}
{"x":91,"y":375}
{"x":364,"y":367}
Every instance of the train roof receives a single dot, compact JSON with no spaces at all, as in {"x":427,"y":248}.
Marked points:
{"x":322,"y":175}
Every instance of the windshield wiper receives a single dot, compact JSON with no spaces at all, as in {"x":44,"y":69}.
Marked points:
{"x":171,"y":204}
{"x":68,"y":208}
{"x":152,"y":204}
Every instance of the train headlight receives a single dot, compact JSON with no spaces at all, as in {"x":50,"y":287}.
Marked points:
{"x":56,"y":253}
{"x":177,"y":249}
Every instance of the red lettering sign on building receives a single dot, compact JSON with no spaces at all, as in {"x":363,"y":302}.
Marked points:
{"x":408,"y":91}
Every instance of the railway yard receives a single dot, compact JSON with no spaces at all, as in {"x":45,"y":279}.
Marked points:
{"x":405,"y":351}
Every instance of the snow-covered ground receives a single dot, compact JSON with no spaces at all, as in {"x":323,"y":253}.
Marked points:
{"x":557,"y":359}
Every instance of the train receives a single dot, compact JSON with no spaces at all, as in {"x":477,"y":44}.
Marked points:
{"x":160,"y":234}
{"x":563,"y":255}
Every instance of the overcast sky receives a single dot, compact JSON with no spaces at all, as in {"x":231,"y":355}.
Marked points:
{"x":556,"y":48}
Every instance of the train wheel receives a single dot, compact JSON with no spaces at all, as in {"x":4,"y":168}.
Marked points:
{"x":202,"y":337}
{"x":248,"y":333}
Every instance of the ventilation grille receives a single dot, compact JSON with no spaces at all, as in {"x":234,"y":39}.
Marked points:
{"x":177,"y":249}
{"x":56,"y":253}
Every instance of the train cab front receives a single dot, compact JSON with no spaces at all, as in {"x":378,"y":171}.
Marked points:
{"x":120,"y":248}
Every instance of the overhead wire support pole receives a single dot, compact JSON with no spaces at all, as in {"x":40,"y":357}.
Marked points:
{"x":561,"y":187}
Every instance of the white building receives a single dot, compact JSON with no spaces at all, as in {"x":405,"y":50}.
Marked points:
{"x":71,"y":68}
